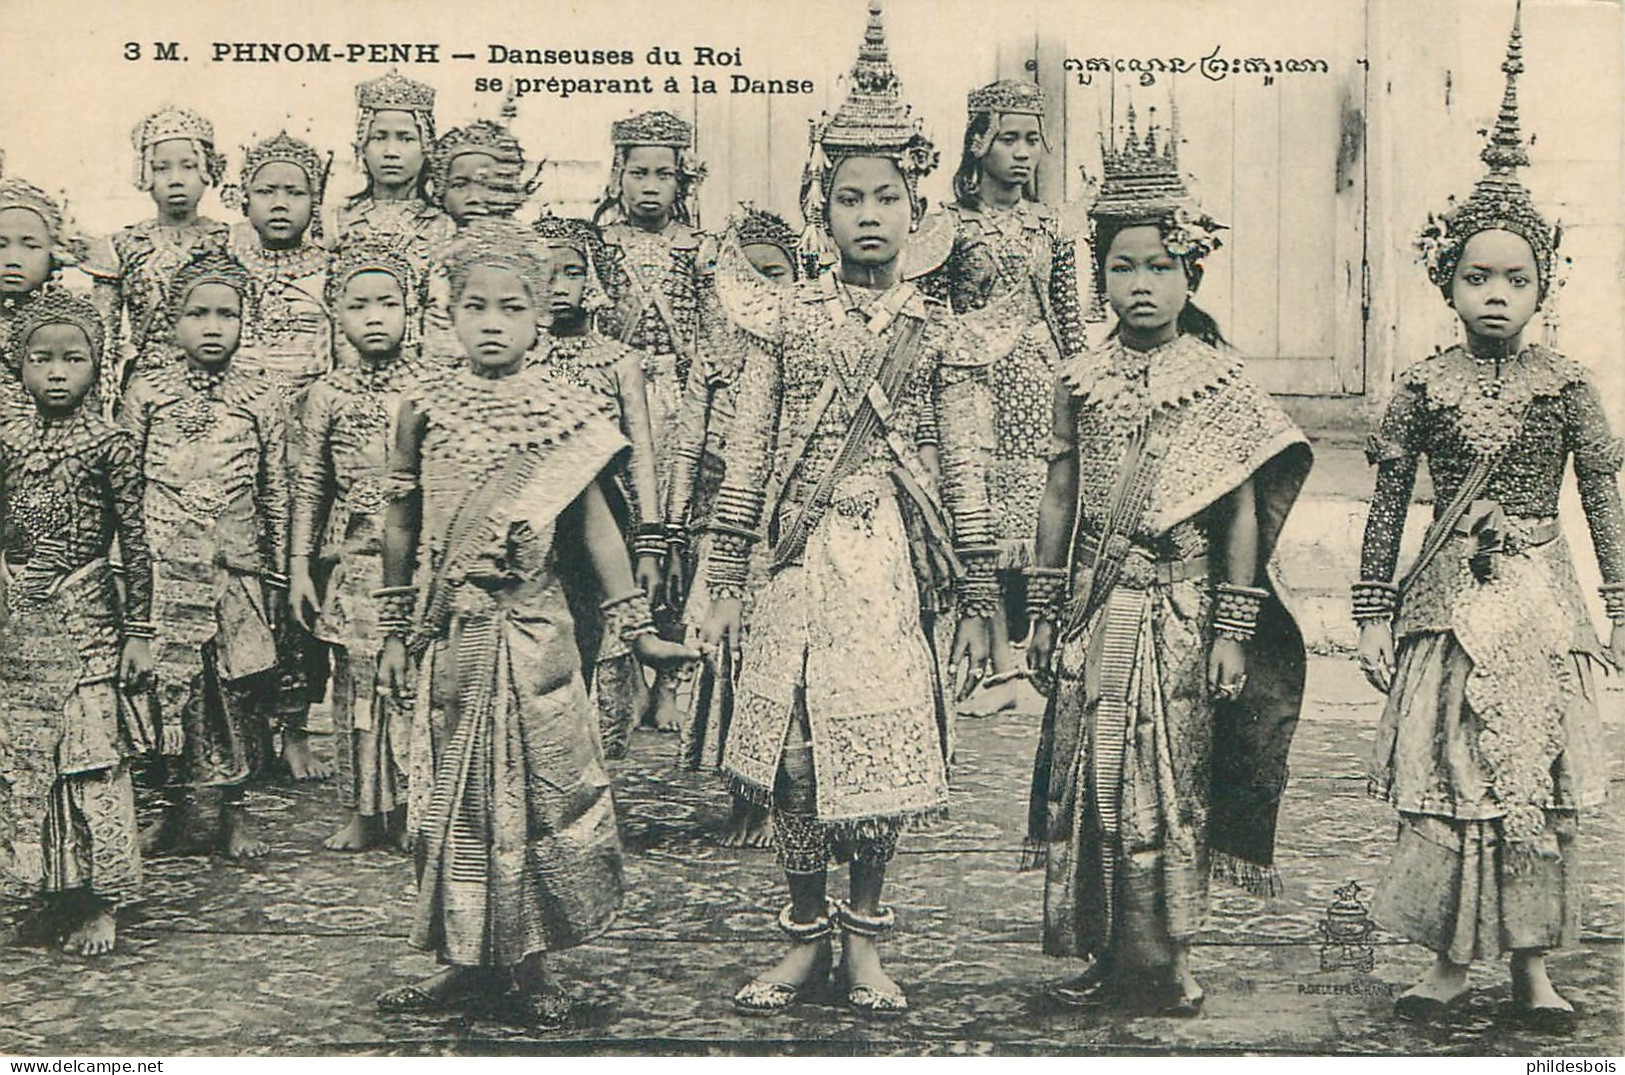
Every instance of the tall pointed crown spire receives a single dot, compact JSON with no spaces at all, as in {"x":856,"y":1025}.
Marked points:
{"x":874,"y":116}
{"x":1505,"y":149}
{"x":1498,"y":201}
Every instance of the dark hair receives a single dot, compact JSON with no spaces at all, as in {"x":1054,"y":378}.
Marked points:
{"x":685,"y":185}
{"x":1193,"y":320}
{"x":968,"y":179}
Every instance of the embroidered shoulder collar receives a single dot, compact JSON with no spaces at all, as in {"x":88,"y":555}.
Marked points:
{"x":593,"y":350}
{"x":1451,"y":379}
{"x":1128,"y":385}
{"x":1031,"y":216}
{"x":239,"y":385}
{"x":307,"y":259}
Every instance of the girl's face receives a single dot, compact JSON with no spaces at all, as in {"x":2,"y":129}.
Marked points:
{"x":25,"y":251}
{"x":1145,"y":284}
{"x":393,"y":152}
{"x":869,"y":211}
{"x":178,"y":176}
{"x":1496,"y":288}
{"x":372,"y":314}
{"x":770,"y":261}
{"x":468,"y":186}
{"x":58,"y":367}
{"x":280,"y":203}
{"x":649,"y":183}
{"x":569,"y":282}
{"x":495,"y":319}
{"x":1012,"y":158}
{"x":210,"y":324}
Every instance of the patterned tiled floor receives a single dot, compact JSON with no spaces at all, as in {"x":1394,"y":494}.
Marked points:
{"x":283,"y":956}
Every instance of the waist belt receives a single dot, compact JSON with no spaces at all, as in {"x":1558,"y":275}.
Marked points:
{"x":1142,"y":568}
{"x":1531,"y":534}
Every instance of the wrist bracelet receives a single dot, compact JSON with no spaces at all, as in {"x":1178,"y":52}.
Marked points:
{"x":676,"y":538}
{"x":1046,"y":587}
{"x":1374,"y":601}
{"x":1235,"y":610}
{"x":142,"y":629}
{"x":395,"y":605}
{"x":649,"y":540}
{"x":1613,"y":600}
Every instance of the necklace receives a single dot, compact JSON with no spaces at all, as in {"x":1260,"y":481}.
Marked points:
{"x":195,"y":415}
{"x":1495,"y":365}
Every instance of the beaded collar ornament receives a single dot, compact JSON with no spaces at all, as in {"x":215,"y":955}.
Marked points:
{"x":68,"y":247}
{"x":168,"y":124}
{"x":1498,"y":201}
{"x":573,"y":233}
{"x":1006,"y":97}
{"x":656,"y":128}
{"x":210,"y":267}
{"x":501,"y":242}
{"x":393,"y":92}
{"x":55,"y":305}
{"x":508,"y":184}
{"x":285,"y":149}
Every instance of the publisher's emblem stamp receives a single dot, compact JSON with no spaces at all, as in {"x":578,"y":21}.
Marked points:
{"x":1346,"y":931}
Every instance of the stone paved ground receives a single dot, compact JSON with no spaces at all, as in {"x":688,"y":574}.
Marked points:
{"x":284,"y":955}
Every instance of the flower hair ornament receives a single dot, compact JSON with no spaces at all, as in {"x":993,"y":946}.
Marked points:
{"x":283,"y":149}
{"x":1142,"y":184}
{"x":661,"y":129}
{"x":873,"y":121}
{"x":583,"y":237}
{"x":1498,"y":201}
{"x":171,"y":124}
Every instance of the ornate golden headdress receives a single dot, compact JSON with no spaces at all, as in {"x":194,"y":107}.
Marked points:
{"x":385,"y":252}
{"x":496,"y":241}
{"x":210,"y":266}
{"x":394,"y":92}
{"x":582,"y":236}
{"x":1498,"y":202}
{"x":55,"y":305}
{"x":873,"y":121}
{"x":286,"y":149}
{"x":509,"y":185}
{"x":1006,"y":97}
{"x":68,"y":247}
{"x":655,"y":128}
{"x":1142,"y":184}
{"x":169,"y":124}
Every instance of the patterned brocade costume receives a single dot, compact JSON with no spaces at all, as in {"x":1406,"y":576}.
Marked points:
{"x":133,"y":268}
{"x":217,"y":509}
{"x":613,"y":371}
{"x":422,"y":225}
{"x":518,"y":851}
{"x":875,"y":725}
{"x":69,"y":488}
{"x":1144,"y":785}
{"x":1490,"y":740}
{"x":338,"y":506}
{"x":290,"y":336}
{"x":665,"y":291}
{"x":1012,"y":281}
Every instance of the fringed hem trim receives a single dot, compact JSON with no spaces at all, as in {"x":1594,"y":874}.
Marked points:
{"x":1251,"y":877}
{"x":748,"y":790}
{"x":874,"y":828}
{"x":1034,"y":855}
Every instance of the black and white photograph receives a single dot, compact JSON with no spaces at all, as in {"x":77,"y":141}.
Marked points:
{"x":859,"y":528}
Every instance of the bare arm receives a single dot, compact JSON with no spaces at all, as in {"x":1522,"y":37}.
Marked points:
{"x":403,"y":519}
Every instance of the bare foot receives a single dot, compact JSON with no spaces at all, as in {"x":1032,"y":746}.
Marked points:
{"x":96,"y":935}
{"x":302,"y":764}
{"x":357,"y":834}
{"x":1444,"y":982}
{"x":747,"y":826}
{"x":1533,"y":987}
{"x":238,"y":838}
{"x":663,"y":713}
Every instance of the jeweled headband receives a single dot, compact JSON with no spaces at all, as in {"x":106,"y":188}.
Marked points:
{"x":508,"y":187}
{"x":174,"y":124}
{"x":55,"y":305}
{"x":394,"y":92}
{"x":209,"y":266}
{"x":500,"y":242}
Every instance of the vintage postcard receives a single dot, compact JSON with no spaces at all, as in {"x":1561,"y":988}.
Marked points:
{"x":862,"y":528}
